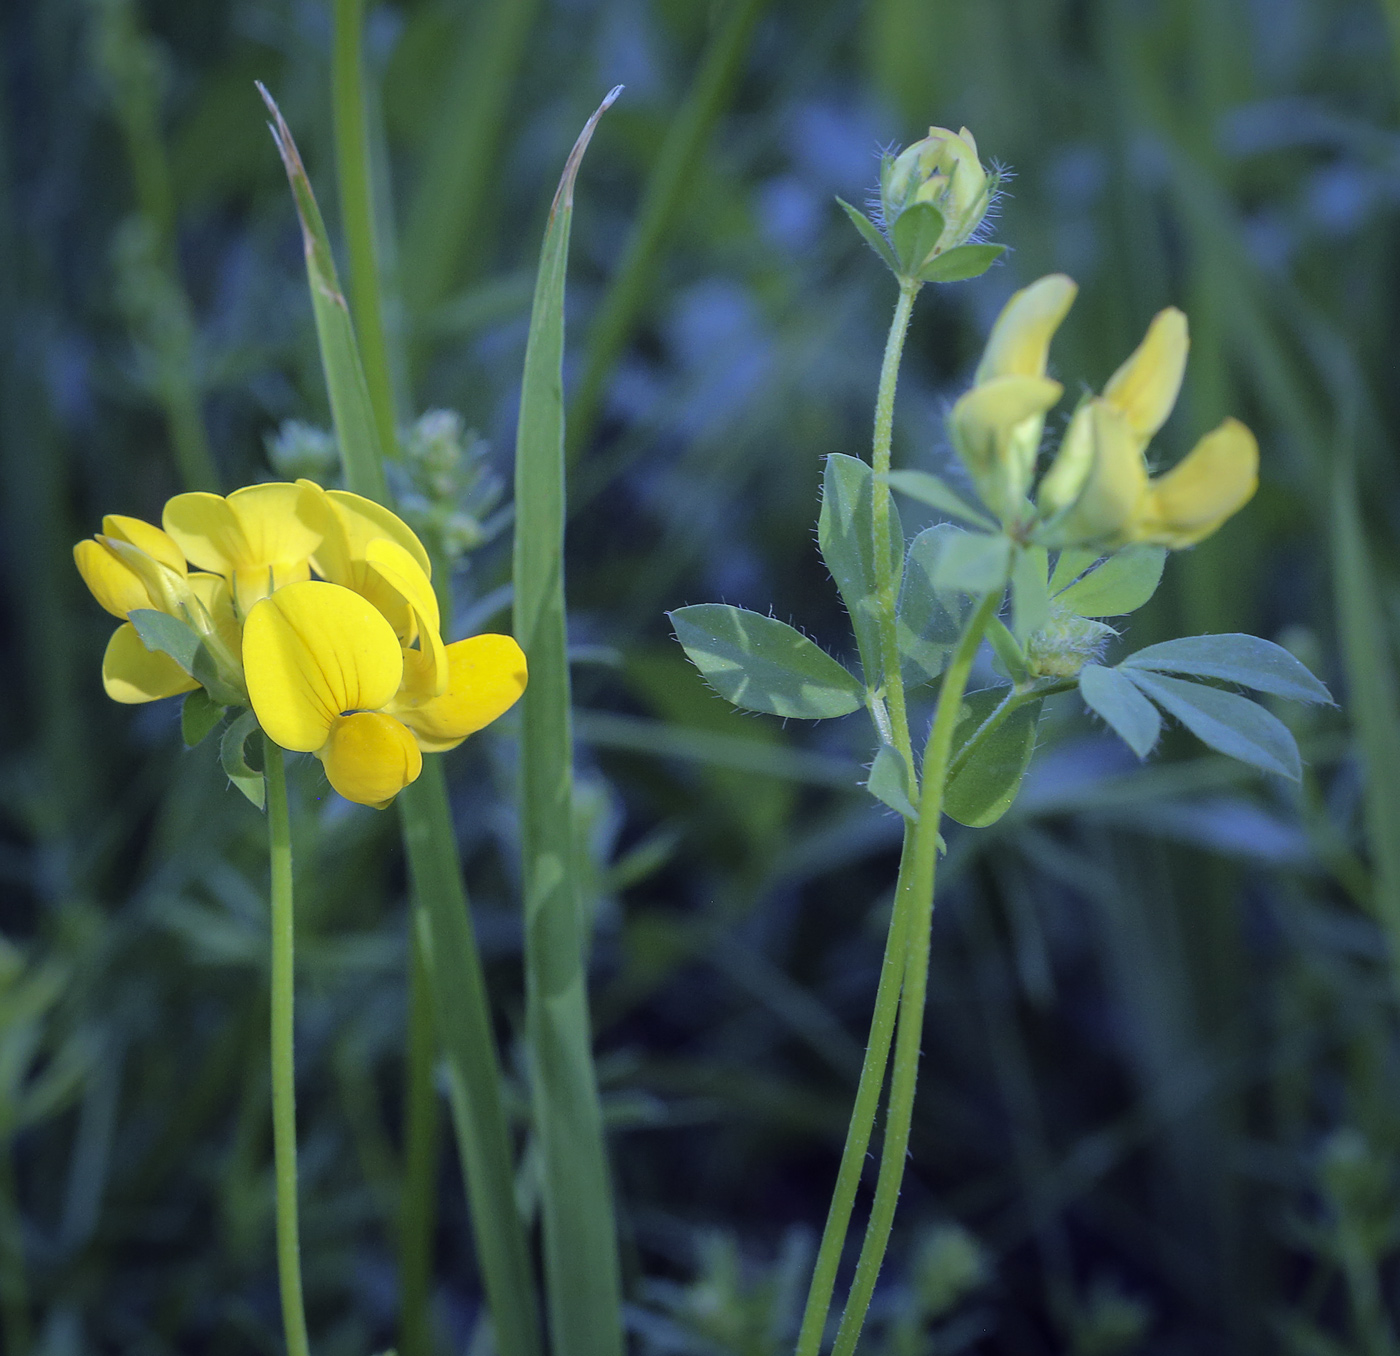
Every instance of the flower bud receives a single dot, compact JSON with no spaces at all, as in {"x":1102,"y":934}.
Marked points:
{"x":942,"y":170}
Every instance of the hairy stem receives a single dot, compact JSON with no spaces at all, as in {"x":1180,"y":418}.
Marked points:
{"x":284,"y":1096}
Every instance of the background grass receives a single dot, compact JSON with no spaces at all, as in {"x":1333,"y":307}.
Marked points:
{"x":1160,"y":1108}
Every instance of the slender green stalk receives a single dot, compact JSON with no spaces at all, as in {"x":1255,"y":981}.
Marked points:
{"x":880,"y":516}
{"x":580,"y":1240}
{"x":352,"y":163}
{"x":862,"y":1125}
{"x":671,"y":177}
{"x":917,"y":903}
{"x":284,"y":1095}
{"x":422,"y":1142}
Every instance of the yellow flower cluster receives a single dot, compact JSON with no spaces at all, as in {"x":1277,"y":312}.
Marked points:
{"x":1097,"y":491}
{"x":944,"y":171}
{"x":350,"y":666}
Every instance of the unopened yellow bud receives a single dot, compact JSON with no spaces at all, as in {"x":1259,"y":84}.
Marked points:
{"x":942,"y":170}
{"x":996,"y":430}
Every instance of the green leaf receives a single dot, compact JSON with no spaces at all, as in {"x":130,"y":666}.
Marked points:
{"x":962,"y":263}
{"x":915,"y":234}
{"x":246,"y":777}
{"x":974,"y":562}
{"x":984,"y":788}
{"x":1122,"y":584}
{"x":929,"y":620}
{"x":892,"y":783}
{"x":762,"y":664}
{"x":198,"y":717}
{"x":870,"y":232}
{"x":1230,"y":724}
{"x":1235,"y":658}
{"x":1030,"y":594}
{"x":1008,"y":651}
{"x":929,"y":489}
{"x":351,"y":410}
{"x":160,"y":631}
{"x":1112,"y":696}
{"x":1069,"y":565}
{"x":582,"y":1278}
{"x":846,"y":537}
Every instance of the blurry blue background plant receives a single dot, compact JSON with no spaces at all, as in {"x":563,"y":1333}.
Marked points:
{"x":1161,"y":1051}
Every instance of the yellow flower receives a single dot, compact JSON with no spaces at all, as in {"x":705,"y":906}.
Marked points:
{"x":1097,"y":490}
{"x":132,"y":566}
{"x":259,"y":538}
{"x":326,"y":672}
{"x":943,"y":170}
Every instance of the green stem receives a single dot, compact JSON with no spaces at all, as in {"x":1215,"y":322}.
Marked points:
{"x":284,"y":1096}
{"x":885,"y":567}
{"x":917,"y":903}
{"x":867,"y":1104}
{"x":422,"y":1137}
{"x":357,"y":213}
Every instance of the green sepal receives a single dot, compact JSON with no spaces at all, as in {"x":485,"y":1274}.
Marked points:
{"x":1235,"y":658}
{"x":1111,"y":695}
{"x":929,"y":620}
{"x":846,"y":537}
{"x":870,"y":232}
{"x":960,"y":264}
{"x":1227,"y":723}
{"x":892,"y":783}
{"x":986,"y":785}
{"x":929,"y":489}
{"x":761,"y":664}
{"x":1030,"y":593}
{"x":199,"y":714}
{"x":1122,"y":584}
{"x":915,"y":235}
{"x":232,"y":754}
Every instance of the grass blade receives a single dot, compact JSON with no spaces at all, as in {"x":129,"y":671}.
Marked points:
{"x":665,"y":192}
{"x":580,"y":1245}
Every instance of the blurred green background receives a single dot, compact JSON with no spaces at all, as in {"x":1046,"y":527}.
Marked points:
{"x":1160,"y":1108}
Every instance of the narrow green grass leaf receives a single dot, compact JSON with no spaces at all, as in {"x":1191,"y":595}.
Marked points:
{"x":1122,"y":584}
{"x":762,"y":664}
{"x":351,"y":410}
{"x":1230,"y":724}
{"x":580,"y":1241}
{"x":1246,"y":660}
{"x":1110,"y":695}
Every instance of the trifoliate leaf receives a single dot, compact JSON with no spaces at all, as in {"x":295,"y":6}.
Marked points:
{"x":1109,"y":694}
{"x":1235,"y":658}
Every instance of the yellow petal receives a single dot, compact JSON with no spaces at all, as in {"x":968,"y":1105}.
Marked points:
{"x":145,"y":537}
{"x":425,"y":669}
{"x":312,"y":652}
{"x":1145,"y":387}
{"x":996,"y":430}
{"x":1214,"y":480}
{"x":486,"y":675}
{"x":1020,"y":340}
{"x":131,"y":673}
{"x":370,"y":757}
{"x":1113,"y":487}
{"x":361,"y":521}
{"x":280,"y":522}
{"x":111,"y":580}
{"x":253,"y":583}
{"x":206,"y":529}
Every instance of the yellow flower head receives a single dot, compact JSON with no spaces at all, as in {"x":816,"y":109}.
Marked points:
{"x":943,"y":170}
{"x":325,"y":674}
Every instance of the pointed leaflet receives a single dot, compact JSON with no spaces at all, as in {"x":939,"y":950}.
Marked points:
{"x":233,"y":755}
{"x":846,"y":536}
{"x":198,"y":717}
{"x":891,"y":783}
{"x":929,"y":489}
{"x":1112,"y":696}
{"x":351,"y":410}
{"x":974,"y":562}
{"x":763,"y":664}
{"x":962,"y":263}
{"x":1122,"y":584}
{"x":1030,"y":595}
{"x":982,"y":790}
{"x":870,"y":233}
{"x":929,"y":620}
{"x":580,"y":1239}
{"x":915,"y":232}
{"x":1232,"y":725}
{"x":1069,"y":565}
{"x":1235,"y":658}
